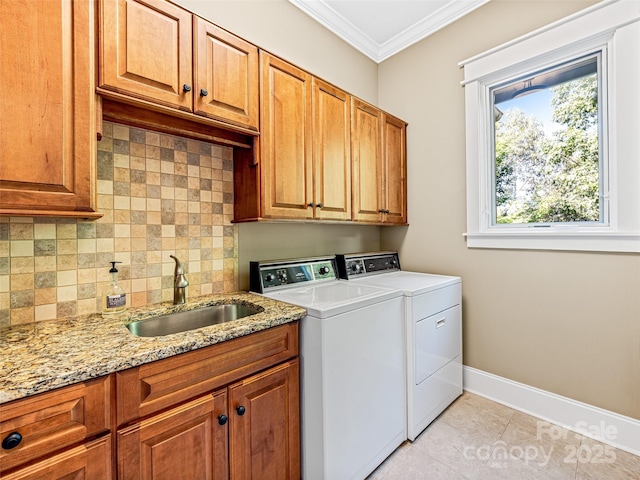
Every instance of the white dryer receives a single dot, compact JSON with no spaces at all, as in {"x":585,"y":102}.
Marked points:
{"x":352,"y":375}
{"x":433,"y":322}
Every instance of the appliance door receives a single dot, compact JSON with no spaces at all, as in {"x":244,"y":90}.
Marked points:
{"x":353,"y":390}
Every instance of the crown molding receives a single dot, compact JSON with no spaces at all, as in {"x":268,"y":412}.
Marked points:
{"x":341,"y":26}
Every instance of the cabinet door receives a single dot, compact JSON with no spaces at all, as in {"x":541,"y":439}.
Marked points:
{"x":226,"y":76}
{"x":89,"y":461}
{"x":186,"y":443}
{"x":285,"y":140}
{"x":264,"y":438}
{"x":395,"y":170}
{"x":331,"y":152}
{"x":146,"y":51}
{"x":47,"y":108}
{"x":366,"y":162}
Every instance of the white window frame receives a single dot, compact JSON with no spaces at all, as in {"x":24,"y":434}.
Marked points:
{"x":612,"y":27}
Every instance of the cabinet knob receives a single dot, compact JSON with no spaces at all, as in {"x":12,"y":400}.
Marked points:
{"x":240,"y":409}
{"x":186,"y":88}
{"x":319,"y":205}
{"x":11,"y":441}
{"x":381,"y":211}
{"x":203,"y":92}
{"x":310,"y":204}
{"x":222,"y":419}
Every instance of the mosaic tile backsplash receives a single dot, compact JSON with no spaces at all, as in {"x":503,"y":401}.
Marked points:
{"x":160,"y":195}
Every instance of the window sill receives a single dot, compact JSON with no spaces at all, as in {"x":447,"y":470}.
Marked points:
{"x":588,"y":242}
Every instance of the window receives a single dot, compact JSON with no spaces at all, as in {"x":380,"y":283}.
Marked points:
{"x":553,"y":150}
{"x":547,"y":157}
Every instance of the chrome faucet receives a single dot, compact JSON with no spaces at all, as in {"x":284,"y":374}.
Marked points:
{"x":180,"y":283}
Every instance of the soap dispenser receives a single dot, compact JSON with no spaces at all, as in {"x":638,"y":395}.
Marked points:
{"x":114,"y":299}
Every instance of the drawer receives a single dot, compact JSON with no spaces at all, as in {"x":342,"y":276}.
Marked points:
{"x":437,"y":340}
{"x":89,"y":461}
{"x":433,"y":302}
{"x":433,"y":396}
{"x":155,"y":386}
{"x":53,"y":420}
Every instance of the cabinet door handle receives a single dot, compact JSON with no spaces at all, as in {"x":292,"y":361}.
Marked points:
{"x":186,"y":88}
{"x":241,"y":410}
{"x":441,"y":322}
{"x":319,"y":205}
{"x":12,"y":440}
{"x":311,"y":204}
{"x":222,"y":419}
{"x":203,"y":92}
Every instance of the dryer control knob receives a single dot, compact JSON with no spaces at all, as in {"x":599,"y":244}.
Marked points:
{"x":355,"y":267}
{"x":323,"y":270}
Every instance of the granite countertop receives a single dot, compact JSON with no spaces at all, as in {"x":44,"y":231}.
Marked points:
{"x":45,"y":355}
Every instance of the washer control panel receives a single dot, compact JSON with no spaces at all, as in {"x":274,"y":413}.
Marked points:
{"x":362,"y":264}
{"x":272,"y":275}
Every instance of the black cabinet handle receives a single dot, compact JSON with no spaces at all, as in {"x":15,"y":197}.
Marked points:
{"x":203,"y":92}
{"x":310,"y":204}
{"x":241,"y":410}
{"x":319,"y":205}
{"x":222,"y":419}
{"x":186,"y":88}
{"x":11,"y":441}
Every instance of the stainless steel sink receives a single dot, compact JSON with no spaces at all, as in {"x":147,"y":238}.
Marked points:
{"x":191,"y":319}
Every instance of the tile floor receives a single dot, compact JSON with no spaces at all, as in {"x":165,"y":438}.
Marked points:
{"x":477,"y":439}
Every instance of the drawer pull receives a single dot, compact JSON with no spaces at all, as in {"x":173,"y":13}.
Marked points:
{"x":441,"y":322}
{"x":11,"y":441}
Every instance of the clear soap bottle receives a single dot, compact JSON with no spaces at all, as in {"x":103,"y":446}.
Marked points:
{"x":114,"y":299}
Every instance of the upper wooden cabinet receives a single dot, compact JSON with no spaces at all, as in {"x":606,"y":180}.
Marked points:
{"x":305,"y":150}
{"x":379,"y":166}
{"x":226,"y":68}
{"x":146,"y":51}
{"x":47,"y":107}
{"x":394,"y":169}
{"x":286,"y":140}
{"x":331,"y":152}
{"x":163,"y":56}
{"x":367,"y":162}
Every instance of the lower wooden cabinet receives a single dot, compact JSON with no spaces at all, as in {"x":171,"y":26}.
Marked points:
{"x":227,"y":411}
{"x":89,"y":461}
{"x":264,"y":425}
{"x":187,"y":442}
{"x":38,"y":426}
{"x":249,"y":430}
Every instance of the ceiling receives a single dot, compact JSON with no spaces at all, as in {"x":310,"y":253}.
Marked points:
{"x":382,"y":28}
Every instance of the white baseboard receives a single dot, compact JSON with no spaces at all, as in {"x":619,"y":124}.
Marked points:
{"x":607,"y":427}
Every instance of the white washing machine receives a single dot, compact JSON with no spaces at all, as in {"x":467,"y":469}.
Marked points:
{"x":352,"y":364}
{"x":433,"y":320}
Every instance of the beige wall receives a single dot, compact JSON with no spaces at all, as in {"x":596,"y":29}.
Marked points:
{"x":284,"y":30}
{"x":564,"y":322}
